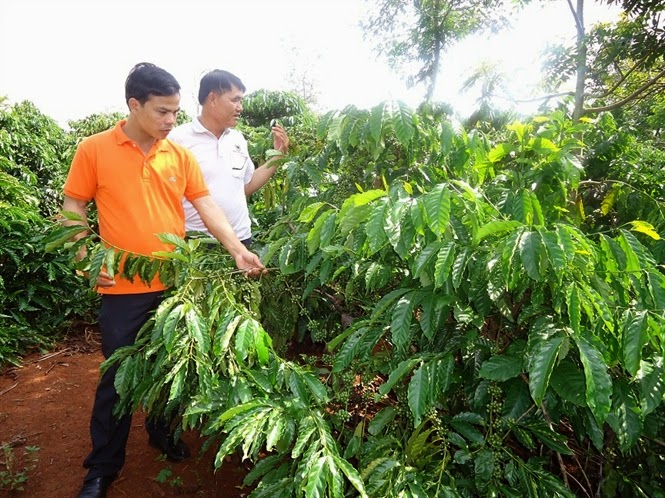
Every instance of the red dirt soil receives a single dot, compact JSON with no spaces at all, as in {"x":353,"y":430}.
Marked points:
{"x":46,"y":402}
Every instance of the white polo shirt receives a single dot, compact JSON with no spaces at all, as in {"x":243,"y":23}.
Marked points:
{"x":226,"y":168}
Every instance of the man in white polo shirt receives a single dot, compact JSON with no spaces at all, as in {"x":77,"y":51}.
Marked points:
{"x":222,"y":152}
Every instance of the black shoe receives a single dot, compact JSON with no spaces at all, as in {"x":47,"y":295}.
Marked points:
{"x":175,"y":452}
{"x":96,"y":488}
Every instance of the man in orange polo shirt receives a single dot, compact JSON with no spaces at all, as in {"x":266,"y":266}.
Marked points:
{"x":138,"y":179}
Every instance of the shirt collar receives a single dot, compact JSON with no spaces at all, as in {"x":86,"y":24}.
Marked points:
{"x":121,"y":138}
{"x":199,"y":128}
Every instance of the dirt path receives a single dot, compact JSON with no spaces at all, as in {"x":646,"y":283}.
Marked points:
{"x":46,"y":403}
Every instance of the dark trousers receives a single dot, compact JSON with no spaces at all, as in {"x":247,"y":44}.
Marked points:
{"x":120,"y":318}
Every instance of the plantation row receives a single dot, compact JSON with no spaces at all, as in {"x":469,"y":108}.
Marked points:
{"x":482,"y":309}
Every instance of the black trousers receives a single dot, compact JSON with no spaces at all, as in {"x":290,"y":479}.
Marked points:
{"x":120,"y":318}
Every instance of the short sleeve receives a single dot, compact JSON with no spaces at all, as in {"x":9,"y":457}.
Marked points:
{"x":81,"y":182}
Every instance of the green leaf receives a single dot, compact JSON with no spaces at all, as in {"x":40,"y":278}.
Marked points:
{"x":71,"y":216}
{"x":402,"y":318}
{"x":377,"y":276}
{"x":353,"y":217}
{"x":470,"y":417}
{"x":566,"y":242}
{"x":555,"y":253}
{"x":419,"y":394}
{"x":657,"y":288}
{"x":170,"y":255}
{"x":499,"y":152}
{"x":325,"y":123}
{"x":403,"y":122}
{"x":468,"y":431}
{"x":386,"y":301}
{"x":522,"y":209}
{"x":444,"y":262}
{"x":169,"y":334}
{"x":305,"y":433}
{"x":628,"y":244}
{"x":381,"y":419}
{"x":426,"y":259}
{"x":495,"y":227}
{"x":543,"y":146}
{"x":541,"y":366}
{"x":483,"y":469}
{"x":351,"y":474}
{"x":598,"y":380}
{"x":124,"y":374}
{"x":595,"y":432}
{"x":501,"y":367}
{"x":434,"y":308}
{"x":170,"y":238}
{"x":554,"y":441}
{"x":407,"y":232}
{"x":359,"y":199}
{"x":374,"y":228}
{"x":417,"y":443}
{"x":297,"y":387}
{"x":349,"y":350}
{"x":314,"y":235}
{"x":308,"y":214}
{"x":178,"y":382}
{"x":96,"y":264}
{"x":625,"y":419}
{"x":574,"y":311}
{"x":530,"y":254}
{"x":568,"y":381}
{"x":276,"y":246}
{"x":262,"y":343}
{"x":58,"y":237}
{"x":316,"y":387}
{"x":245,"y":339}
{"x":651,"y":377}
{"x":376,"y":121}
{"x":396,"y":375}
{"x":441,"y":373}
{"x":634,"y":337}
{"x":328,"y":229}
{"x":261,"y":468}
{"x":437,"y":207}
{"x":198,"y":329}
{"x":518,"y":400}
{"x":447,"y":135}
{"x":459,"y":266}
{"x":316,"y":478}
{"x":225,"y":330}
{"x":609,"y":247}
{"x":275,"y":430}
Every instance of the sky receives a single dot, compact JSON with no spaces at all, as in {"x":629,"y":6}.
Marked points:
{"x":71,"y":57}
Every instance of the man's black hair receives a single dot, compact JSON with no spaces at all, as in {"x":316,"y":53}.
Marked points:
{"x":146,"y":79}
{"x":218,"y":81}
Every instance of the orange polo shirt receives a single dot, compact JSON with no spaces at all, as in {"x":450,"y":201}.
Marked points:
{"x":137,"y":195}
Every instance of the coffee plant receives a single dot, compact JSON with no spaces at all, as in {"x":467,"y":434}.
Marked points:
{"x":488,"y":301}
{"x":40,"y":298}
{"x":492,"y":311}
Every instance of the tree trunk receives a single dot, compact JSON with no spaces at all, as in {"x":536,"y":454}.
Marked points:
{"x":581,"y":61}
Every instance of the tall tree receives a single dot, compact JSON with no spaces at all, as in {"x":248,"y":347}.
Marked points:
{"x":414,"y":35}
{"x":614,"y":65}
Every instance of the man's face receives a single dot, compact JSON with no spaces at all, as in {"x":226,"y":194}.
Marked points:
{"x":227,"y":107}
{"x":157,"y":115}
